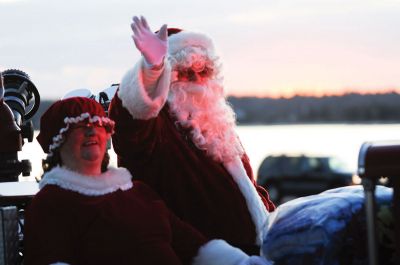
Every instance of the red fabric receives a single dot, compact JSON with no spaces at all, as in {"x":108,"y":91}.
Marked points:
{"x":123,"y":227}
{"x":53,"y":119}
{"x":197,"y":189}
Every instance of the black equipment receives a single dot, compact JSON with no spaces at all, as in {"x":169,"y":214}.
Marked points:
{"x":19,"y":103}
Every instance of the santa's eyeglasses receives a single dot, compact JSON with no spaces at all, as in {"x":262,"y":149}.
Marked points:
{"x":188,"y":74}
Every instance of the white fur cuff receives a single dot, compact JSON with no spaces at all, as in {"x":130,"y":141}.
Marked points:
{"x":141,"y":100}
{"x":218,"y":252}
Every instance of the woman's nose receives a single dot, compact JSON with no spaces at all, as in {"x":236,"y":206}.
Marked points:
{"x":89,"y":130}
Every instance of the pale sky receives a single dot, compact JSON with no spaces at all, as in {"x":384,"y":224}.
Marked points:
{"x":266,"y":47}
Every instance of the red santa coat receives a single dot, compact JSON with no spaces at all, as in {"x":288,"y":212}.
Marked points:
{"x":76,"y":219}
{"x":220,"y":200}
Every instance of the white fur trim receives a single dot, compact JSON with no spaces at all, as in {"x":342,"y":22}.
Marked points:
{"x":109,"y":181}
{"x":256,"y":207}
{"x":184,"y":39}
{"x":134,"y":93}
{"x":218,"y":252}
{"x":59,"y":138}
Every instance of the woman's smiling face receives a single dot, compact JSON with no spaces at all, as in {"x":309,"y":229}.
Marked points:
{"x":85,"y":144}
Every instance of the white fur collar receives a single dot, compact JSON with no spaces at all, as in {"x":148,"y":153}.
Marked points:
{"x":109,"y":181}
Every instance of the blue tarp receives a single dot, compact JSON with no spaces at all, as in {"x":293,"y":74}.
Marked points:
{"x":317,"y":229}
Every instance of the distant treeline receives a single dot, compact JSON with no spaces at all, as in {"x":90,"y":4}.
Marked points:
{"x":370,"y":108}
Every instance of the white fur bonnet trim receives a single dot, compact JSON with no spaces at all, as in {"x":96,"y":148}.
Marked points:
{"x":111,"y":180}
{"x":59,"y":138}
{"x":184,"y":39}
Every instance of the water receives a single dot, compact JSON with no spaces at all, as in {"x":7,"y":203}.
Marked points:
{"x":340,"y":140}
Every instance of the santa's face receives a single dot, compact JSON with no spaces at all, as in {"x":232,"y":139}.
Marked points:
{"x":196,"y":98}
{"x":193,"y":64}
{"x":198,"y":82}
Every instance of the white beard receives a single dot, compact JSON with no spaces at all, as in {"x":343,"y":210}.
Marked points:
{"x":203,"y":109}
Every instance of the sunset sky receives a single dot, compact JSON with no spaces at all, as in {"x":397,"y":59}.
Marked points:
{"x":267,"y":47}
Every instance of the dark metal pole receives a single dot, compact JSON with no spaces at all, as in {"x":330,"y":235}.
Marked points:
{"x":396,"y":210}
{"x":369,"y":189}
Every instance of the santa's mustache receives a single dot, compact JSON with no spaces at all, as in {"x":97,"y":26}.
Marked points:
{"x":211,"y":89}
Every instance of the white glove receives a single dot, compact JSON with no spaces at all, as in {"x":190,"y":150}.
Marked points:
{"x":255,"y":260}
{"x":152,"y":46}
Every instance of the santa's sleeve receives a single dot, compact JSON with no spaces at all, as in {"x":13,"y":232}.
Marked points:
{"x":186,"y":240}
{"x":143,"y":91}
{"x":133,"y":140}
{"x":49,"y":235}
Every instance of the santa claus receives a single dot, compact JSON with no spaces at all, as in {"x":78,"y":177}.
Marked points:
{"x":176,"y":132}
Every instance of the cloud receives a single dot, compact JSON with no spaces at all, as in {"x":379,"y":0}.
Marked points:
{"x":10,"y":1}
{"x":308,"y":9}
{"x":64,"y":47}
{"x":60,"y":81}
{"x":93,"y":76}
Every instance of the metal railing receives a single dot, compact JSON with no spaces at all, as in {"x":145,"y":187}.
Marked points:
{"x":376,"y":160}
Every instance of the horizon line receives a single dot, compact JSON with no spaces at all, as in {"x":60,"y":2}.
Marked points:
{"x":316,"y":95}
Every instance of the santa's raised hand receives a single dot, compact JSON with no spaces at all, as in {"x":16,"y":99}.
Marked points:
{"x":153,"y":46}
